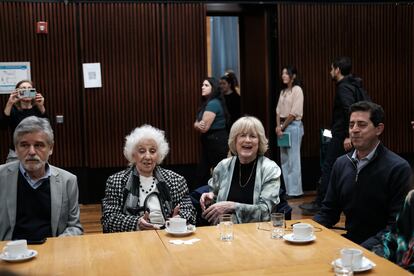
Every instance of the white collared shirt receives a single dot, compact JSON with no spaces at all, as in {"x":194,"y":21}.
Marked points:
{"x":35,"y":183}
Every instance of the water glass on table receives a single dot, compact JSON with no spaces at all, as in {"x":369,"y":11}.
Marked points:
{"x":226,"y":227}
{"x":341,"y":270}
{"x":278,"y":225}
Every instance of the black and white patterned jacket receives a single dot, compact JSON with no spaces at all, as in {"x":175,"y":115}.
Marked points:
{"x":115,"y":220}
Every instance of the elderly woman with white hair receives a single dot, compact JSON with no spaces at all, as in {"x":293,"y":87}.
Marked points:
{"x":144,"y":196}
{"x":247,"y":184}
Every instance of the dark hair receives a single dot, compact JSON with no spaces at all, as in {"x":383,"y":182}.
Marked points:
{"x":233,"y":77}
{"x":230,"y":80}
{"x":376,"y":111}
{"x":215,"y":89}
{"x":291,"y":70}
{"x":215,"y":94}
{"x":22,"y":81}
{"x":344,"y":64}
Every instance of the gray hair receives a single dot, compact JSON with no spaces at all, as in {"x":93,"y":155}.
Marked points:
{"x":33,"y":124}
{"x":246,"y":124}
{"x":145,"y":132}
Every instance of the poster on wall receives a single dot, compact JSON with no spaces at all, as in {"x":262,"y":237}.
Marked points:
{"x":11,"y":73}
{"x":92,"y":75}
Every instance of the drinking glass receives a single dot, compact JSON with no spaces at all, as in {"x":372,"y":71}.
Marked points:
{"x":226,"y":227}
{"x":341,"y":270}
{"x":278,"y":225}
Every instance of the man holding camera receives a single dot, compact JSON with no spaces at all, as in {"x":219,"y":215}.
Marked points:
{"x":37,"y":200}
{"x":23,"y":102}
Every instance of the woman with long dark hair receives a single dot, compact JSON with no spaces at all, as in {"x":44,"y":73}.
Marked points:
{"x":289,"y":114}
{"x":211,"y":122}
{"x":228,"y":84}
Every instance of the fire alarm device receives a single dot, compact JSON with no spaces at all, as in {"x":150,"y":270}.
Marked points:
{"x":41,"y":27}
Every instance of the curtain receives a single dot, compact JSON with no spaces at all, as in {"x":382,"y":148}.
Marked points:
{"x":224,"y":45}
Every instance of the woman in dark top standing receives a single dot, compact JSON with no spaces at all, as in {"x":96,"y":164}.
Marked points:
{"x":18,"y":108}
{"x":211,"y":122}
{"x":228,"y":84}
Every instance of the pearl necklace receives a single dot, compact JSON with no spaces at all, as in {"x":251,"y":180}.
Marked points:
{"x":251,"y":173}
{"x":150,"y":189}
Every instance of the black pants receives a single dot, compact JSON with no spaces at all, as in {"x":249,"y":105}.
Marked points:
{"x":335,"y":149}
{"x":214,"y":145}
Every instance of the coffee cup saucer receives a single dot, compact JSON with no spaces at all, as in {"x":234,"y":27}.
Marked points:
{"x":30,"y":254}
{"x":291,"y":238}
{"x":190,"y":229}
{"x":367,"y":264}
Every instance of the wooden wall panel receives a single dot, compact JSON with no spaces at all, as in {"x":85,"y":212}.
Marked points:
{"x":153,"y":60}
{"x":378,"y":38}
{"x":185,"y":67}
{"x":53,"y":60}
{"x":255,"y":66}
{"x":125,"y":39}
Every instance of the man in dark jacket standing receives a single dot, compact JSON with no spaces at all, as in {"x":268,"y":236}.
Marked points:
{"x":368,"y":184}
{"x":347,"y":89}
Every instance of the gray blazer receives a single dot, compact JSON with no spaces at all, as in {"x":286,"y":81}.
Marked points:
{"x":64,"y":195}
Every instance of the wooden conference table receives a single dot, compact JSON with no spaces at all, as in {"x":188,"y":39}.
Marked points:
{"x":252,"y":252}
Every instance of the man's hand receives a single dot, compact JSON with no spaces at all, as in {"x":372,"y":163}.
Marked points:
{"x":347,"y":144}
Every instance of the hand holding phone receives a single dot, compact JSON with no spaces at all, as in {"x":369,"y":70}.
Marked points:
{"x":27,"y":92}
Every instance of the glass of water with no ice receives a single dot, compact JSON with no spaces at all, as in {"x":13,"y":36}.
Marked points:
{"x":278,"y":225}
{"x":226,"y":227}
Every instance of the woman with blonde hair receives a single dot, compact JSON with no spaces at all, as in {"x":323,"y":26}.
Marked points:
{"x":246,"y":184}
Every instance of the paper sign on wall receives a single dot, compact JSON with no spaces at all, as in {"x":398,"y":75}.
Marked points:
{"x":11,"y":73}
{"x":92,"y":75}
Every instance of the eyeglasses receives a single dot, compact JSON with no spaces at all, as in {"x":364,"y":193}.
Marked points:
{"x":259,"y":226}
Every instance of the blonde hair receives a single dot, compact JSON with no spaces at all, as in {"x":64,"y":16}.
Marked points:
{"x":247,"y":124}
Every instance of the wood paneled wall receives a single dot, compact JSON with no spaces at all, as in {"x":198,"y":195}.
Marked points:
{"x":185,"y":66}
{"x":153,"y":59}
{"x":126,"y":40}
{"x":54,"y":68}
{"x":254,"y":66}
{"x":378,"y":38}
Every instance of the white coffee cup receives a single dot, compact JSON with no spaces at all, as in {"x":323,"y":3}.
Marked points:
{"x":302,"y":231}
{"x":351,"y":257}
{"x":15,"y":249}
{"x":178,"y":225}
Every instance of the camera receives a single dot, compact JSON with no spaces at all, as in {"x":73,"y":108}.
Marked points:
{"x":27,"y":93}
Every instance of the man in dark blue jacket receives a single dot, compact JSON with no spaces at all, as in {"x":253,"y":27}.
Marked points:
{"x":348,"y":90}
{"x":368,"y":184}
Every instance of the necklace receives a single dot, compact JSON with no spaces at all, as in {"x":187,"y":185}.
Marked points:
{"x":251,"y":173}
{"x":150,"y":189}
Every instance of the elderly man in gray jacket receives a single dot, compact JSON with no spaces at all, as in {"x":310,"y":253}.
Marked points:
{"x":37,"y":200}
